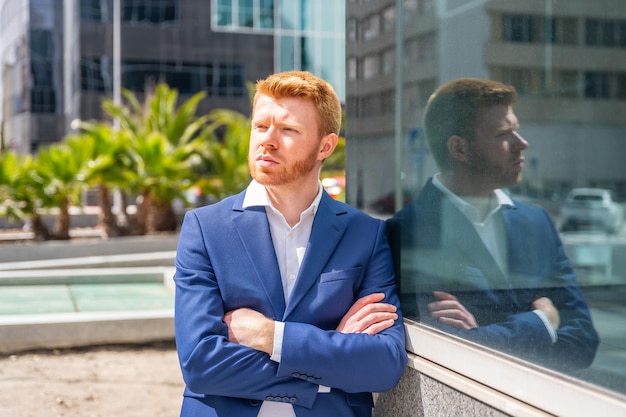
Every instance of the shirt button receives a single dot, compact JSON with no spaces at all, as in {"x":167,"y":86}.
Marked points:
{"x":292,"y":276}
{"x":290,"y":235}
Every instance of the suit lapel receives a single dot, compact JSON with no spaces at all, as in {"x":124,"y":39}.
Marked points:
{"x":468,"y":249}
{"x":325,"y":234}
{"x":254,"y":232}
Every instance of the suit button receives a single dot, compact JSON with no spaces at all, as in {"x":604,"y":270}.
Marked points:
{"x":296,"y":375}
{"x":311,"y":379}
{"x":254,"y":403}
{"x":293,"y":400}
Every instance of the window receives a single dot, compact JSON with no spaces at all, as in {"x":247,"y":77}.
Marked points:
{"x":144,"y":11}
{"x":389,"y":61}
{"x":604,"y":32}
{"x":371,"y":27}
{"x":567,"y":66}
{"x":96,"y":10}
{"x":250,"y":14}
{"x":519,"y":28}
{"x":43,"y":95}
{"x":597,"y":85}
{"x":246,"y":14}
{"x":371,"y":67}
{"x":352,"y":69}
{"x":95,"y":75}
{"x":389,"y":19}
{"x":222,"y":79}
{"x":151,"y":11}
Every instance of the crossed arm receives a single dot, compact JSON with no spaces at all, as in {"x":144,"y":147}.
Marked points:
{"x":367,"y":315}
{"x":449,"y":310}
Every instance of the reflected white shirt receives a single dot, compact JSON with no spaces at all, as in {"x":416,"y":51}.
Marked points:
{"x":492,"y":232}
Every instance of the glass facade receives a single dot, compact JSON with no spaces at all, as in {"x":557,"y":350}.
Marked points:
{"x":566,"y":61}
{"x":307,"y":36}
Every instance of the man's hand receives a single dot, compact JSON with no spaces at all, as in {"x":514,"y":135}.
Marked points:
{"x":250,"y":328}
{"x":545,"y":304}
{"x":368,"y":315}
{"x":449,"y":310}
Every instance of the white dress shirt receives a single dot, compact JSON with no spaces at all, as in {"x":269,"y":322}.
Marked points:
{"x":290,"y":245}
{"x":492,"y":231}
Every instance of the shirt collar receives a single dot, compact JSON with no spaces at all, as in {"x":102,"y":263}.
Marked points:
{"x":502,"y":199}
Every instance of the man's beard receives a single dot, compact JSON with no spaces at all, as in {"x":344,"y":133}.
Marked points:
{"x":281,"y":174}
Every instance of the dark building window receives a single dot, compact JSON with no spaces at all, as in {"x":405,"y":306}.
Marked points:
{"x":603,"y":32}
{"x":42,"y":96}
{"x":96,"y":10}
{"x":94,"y":75}
{"x":222,"y":79}
{"x":152,"y":11}
{"x":597,"y":85}
{"x":147,"y":11}
{"x":518,"y":28}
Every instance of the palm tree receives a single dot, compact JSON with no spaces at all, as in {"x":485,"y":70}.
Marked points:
{"x":21,"y":192}
{"x":57,"y":170}
{"x":105,"y":157}
{"x":165,"y":146}
{"x":229,"y":131}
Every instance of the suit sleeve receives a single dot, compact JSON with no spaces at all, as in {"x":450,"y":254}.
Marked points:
{"x":210,"y":363}
{"x":523,"y":333}
{"x":351,"y":362}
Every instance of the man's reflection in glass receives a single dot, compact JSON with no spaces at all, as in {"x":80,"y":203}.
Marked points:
{"x":471,"y":260}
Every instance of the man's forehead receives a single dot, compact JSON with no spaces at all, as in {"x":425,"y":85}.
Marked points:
{"x":498,"y":116}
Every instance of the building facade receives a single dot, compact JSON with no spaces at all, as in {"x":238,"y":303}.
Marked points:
{"x":567,"y":103}
{"x":58,"y":56}
{"x":567,"y":61}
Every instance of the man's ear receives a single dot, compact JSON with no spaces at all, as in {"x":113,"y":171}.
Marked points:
{"x":457,"y":148}
{"x":327,"y":146}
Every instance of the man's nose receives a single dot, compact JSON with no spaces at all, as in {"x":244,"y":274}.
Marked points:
{"x":269,"y":139}
{"x":520,"y":143}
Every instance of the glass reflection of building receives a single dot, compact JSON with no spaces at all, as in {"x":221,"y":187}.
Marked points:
{"x":567,"y":103}
{"x":57,"y":55}
{"x":567,"y":61}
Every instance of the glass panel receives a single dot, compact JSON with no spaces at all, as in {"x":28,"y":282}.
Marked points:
{"x":152,"y":11}
{"x":506,"y":217}
{"x":224,"y":13}
{"x":246,"y":15}
{"x":307,"y":15}
{"x":287,"y":53}
{"x":288,"y":14}
{"x":267,"y":14}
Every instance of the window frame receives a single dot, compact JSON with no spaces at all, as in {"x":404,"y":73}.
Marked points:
{"x":505,"y":382}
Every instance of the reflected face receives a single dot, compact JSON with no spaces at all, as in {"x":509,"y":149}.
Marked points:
{"x":495,"y":155}
{"x":285,"y":146}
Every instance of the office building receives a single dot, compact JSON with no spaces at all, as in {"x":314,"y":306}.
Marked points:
{"x":58,"y":55}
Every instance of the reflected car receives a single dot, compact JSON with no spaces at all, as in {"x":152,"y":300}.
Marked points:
{"x":591,"y":208}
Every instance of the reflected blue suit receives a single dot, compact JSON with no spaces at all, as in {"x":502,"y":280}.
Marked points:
{"x":226,"y":260}
{"x":435,"y":247}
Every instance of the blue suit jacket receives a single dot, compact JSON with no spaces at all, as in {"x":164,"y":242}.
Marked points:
{"x":436,"y":248}
{"x":226,"y":260}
